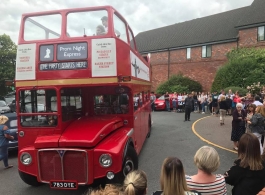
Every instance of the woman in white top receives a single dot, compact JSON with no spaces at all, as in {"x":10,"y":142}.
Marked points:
{"x":180,"y":103}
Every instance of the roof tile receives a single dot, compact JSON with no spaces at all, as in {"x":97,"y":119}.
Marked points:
{"x":214,"y":28}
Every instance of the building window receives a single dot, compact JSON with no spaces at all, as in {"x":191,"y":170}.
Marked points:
{"x":261,"y":33}
{"x":188,"y":52}
{"x":206,"y":51}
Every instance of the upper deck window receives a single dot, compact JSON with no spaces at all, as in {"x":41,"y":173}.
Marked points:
{"x":120,"y":28}
{"x":89,"y":23}
{"x":131,"y":38}
{"x":43,"y":27}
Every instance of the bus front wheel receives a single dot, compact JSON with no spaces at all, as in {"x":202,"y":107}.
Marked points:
{"x":130,"y":162}
{"x":29,"y":179}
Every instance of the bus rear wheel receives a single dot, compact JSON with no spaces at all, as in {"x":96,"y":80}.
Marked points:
{"x":29,"y":179}
{"x":149,"y":127}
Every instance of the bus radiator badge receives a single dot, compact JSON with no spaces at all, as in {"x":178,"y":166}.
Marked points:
{"x":61,"y":152}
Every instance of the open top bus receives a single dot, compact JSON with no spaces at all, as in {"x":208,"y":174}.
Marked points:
{"x":82,"y":97}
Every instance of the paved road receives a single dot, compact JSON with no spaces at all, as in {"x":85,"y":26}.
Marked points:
{"x":170,"y":137}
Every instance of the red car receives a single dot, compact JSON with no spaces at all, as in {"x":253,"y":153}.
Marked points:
{"x":160,"y":103}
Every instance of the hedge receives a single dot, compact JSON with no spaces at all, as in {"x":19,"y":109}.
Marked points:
{"x":245,"y":66}
{"x":180,"y":84}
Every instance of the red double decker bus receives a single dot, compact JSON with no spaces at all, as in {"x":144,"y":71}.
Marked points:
{"x":82,"y":95}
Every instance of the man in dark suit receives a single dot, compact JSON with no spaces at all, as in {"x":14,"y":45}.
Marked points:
{"x":189,"y":102}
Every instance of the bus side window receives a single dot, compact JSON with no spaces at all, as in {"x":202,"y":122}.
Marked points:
{"x":136,"y":102}
{"x":120,"y":28}
{"x":123,"y":101}
{"x":140,"y":99}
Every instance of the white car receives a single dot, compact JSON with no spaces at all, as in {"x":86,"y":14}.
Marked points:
{"x":4,"y":108}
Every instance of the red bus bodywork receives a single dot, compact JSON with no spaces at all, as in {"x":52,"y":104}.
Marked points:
{"x":80,"y":139}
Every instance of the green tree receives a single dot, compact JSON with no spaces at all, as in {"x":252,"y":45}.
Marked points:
{"x":180,"y":84}
{"x":245,"y":66}
{"x":8,"y":52}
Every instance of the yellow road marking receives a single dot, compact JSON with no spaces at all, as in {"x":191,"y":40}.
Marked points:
{"x":207,"y":141}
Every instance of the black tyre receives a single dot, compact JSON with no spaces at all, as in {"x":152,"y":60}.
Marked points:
{"x":29,"y":179}
{"x":130,"y":162}
{"x":149,"y":127}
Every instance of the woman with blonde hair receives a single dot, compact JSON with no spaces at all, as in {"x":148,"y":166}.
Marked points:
{"x":172,"y":178}
{"x":205,"y":182}
{"x":135,"y":183}
{"x":4,"y":139}
{"x":109,"y":189}
{"x":247,"y":173}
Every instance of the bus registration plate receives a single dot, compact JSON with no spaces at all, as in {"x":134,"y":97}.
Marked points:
{"x":71,"y":185}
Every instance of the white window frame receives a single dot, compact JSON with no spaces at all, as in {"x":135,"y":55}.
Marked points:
{"x":261,"y":29}
{"x":205,"y":52}
{"x":188,"y":53}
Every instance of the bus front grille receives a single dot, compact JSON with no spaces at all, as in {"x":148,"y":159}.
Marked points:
{"x":63,"y":164}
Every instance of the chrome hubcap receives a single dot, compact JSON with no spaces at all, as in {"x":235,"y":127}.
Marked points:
{"x":128,"y":167}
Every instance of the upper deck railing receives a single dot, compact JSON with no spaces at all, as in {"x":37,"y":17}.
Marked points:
{"x":77,"y":46}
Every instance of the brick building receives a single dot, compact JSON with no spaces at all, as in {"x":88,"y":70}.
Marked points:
{"x":197,"y":48}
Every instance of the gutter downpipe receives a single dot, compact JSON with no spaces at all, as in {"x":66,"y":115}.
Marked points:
{"x":237,"y":41}
{"x":168,"y":64}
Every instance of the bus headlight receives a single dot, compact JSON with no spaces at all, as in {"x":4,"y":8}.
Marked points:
{"x":105,"y":160}
{"x":25,"y":158}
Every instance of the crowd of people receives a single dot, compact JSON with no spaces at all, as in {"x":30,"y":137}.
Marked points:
{"x":213,"y":102}
{"x":248,"y":111}
{"x":246,"y":175}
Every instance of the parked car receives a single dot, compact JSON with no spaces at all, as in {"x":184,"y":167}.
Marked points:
{"x":12,"y":105}
{"x":12,"y":126}
{"x":4,"y":108}
{"x":160,"y":103}
{"x":40,"y":107}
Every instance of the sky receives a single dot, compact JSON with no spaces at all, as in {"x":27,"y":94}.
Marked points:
{"x":142,"y":15}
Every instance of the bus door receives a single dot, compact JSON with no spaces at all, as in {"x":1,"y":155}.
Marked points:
{"x":137,"y":122}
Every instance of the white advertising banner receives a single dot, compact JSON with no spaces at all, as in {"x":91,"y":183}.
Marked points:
{"x":104,"y":61}
{"x":25,"y":63}
{"x":138,"y":68}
